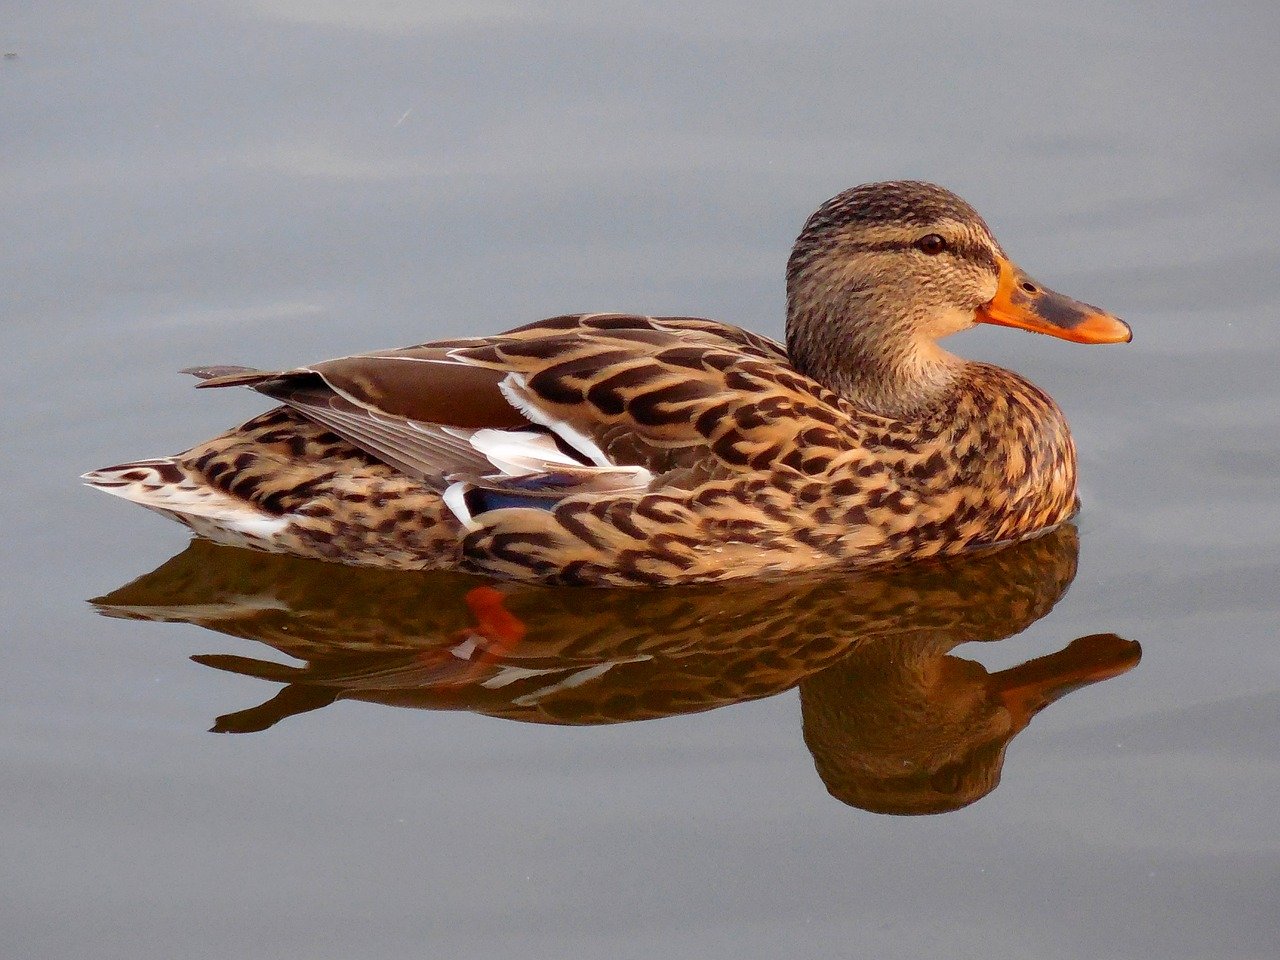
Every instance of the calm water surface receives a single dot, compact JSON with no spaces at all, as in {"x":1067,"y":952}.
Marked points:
{"x":276,"y":181}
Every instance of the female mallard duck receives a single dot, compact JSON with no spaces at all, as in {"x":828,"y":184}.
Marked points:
{"x":629,"y":450}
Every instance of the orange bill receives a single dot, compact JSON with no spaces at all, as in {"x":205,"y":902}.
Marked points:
{"x":1027,"y":689}
{"x":1021,"y":302}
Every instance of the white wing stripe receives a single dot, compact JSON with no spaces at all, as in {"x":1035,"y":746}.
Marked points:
{"x":518,"y":452}
{"x":516,"y":390}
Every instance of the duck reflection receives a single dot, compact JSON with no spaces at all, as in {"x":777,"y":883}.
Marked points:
{"x":895,"y":723}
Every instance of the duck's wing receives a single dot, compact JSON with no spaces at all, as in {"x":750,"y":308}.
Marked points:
{"x":572,"y":396}
{"x":397,"y":405}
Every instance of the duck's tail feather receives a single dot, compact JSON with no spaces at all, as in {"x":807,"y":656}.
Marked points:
{"x":230,"y":376}
{"x":164,"y":485}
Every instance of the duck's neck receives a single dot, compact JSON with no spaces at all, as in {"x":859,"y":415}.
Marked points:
{"x":878,"y":361}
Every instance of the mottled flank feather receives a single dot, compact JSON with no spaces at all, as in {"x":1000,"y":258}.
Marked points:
{"x":632,"y":450}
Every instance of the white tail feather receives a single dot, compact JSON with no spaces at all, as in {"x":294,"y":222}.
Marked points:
{"x":162,"y":485}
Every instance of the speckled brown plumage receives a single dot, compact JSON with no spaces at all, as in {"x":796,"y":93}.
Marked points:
{"x":614,"y":449}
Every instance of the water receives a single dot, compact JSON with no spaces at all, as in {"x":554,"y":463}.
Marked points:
{"x":270,"y":182}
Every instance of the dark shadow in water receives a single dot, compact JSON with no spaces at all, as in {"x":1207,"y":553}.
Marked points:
{"x":895,"y":723}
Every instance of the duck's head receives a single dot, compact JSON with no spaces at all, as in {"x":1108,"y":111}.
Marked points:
{"x":883,"y":271}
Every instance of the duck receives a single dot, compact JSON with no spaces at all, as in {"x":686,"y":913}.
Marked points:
{"x":614,"y":449}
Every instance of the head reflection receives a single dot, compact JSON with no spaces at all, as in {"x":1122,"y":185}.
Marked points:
{"x":895,"y":722}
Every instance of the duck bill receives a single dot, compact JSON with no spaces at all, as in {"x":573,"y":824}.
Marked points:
{"x":1021,"y":302}
{"x":1027,"y":689}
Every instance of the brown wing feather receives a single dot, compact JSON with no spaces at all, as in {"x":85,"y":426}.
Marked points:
{"x":669,"y":393}
{"x":422,"y":384}
{"x":665,"y":393}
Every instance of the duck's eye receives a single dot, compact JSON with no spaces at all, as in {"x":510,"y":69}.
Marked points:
{"x":931,"y":244}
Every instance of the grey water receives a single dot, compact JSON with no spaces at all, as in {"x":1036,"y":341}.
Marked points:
{"x":272,"y":182}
